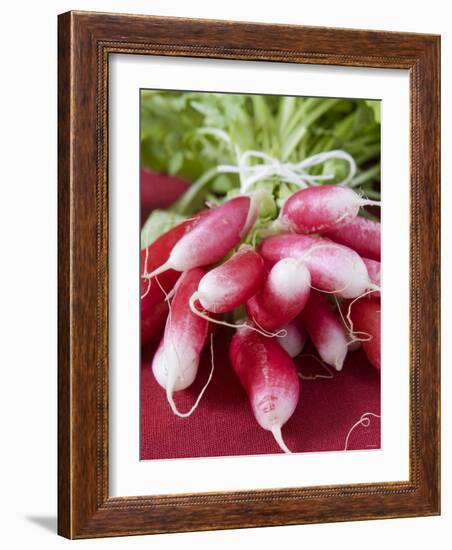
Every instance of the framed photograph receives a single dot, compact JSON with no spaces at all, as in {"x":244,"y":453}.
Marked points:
{"x":248,"y":275}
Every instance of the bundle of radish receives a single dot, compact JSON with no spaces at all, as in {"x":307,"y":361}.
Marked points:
{"x":281,"y":253}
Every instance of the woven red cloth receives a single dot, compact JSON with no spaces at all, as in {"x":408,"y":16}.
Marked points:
{"x":224,"y":425}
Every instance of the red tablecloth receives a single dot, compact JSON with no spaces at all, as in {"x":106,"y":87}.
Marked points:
{"x":223,"y":424}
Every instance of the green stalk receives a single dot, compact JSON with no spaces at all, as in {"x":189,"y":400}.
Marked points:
{"x":370,"y":174}
{"x":299,"y":132}
{"x":184,"y":204}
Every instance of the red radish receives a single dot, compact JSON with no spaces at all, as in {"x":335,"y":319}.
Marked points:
{"x":153,"y":307}
{"x":283,"y":295}
{"x":325,"y":330}
{"x":231,"y":284}
{"x":365,"y":316}
{"x":159,"y":191}
{"x":216,"y":233}
{"x":294,"y":338}
{"x":269,"y":377}
{"x":361,"y":234}
{"x":334,"y":268}
{"x":321,"y":208}
{"x":373,"y":269}
{"x":176,"y":362}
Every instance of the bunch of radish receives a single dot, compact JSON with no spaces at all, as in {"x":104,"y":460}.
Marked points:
{"x":315,"y":274}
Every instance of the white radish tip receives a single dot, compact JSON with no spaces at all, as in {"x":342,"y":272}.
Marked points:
{"x":338,"y":365}
{"x":276,"y":431}
{"x":339,"y":360}
{"x":158,"y":270}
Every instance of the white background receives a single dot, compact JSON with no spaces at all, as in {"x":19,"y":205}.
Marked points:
{"x":28,"y":274}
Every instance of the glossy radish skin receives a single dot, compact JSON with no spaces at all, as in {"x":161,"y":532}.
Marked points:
{"x":159,"y":369}
{"x":373,"y":269}
{"x":334,"y":268}
{"x":216,"y":233}
{"x":175,"y":364}
{"x":325,"y":330}
{"x":362,"y":235}
{"x":154,"y":309}
{"x":366,"y":318}
{"x":319,"y":209}
{"x":282,"y":296}
{"x":231,"y":284}
{"x":294,"y":339}
{"x":269,"y":377}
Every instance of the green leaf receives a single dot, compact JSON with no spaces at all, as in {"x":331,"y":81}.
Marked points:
{"x":222,"y":184}
{"x":189,"y":134}
{"x":376,"y":108}
{"x":158,"y":223}
{"x":175,"y":163}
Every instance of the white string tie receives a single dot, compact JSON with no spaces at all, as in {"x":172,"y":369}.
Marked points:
{"x":290,"y":172}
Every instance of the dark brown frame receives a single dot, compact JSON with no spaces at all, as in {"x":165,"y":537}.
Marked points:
{"x":84,"y":44}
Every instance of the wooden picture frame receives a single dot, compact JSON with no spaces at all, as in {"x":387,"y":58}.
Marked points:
{"x":85,"y":42}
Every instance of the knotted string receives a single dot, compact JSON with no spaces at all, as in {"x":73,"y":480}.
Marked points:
{"x":289,"y":172}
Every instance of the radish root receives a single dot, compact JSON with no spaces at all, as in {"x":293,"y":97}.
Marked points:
{"x":363,"y":421}
{"x":349,"y":328}
{"x":335,"y":291}
{"x":168,"y":295}
{"x":277,"y":434}
{"x":164,"y":267}
{"x":280,"y":333}
{"x":170,"y":385}
{"x":369,"y":202}
{"x":147,"y":289}
{"x":145,"y":274}
{"x":328,"y":376}
{"x":349,"y":319}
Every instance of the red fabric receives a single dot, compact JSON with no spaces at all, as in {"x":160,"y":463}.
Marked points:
{"x":223,"y":424}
